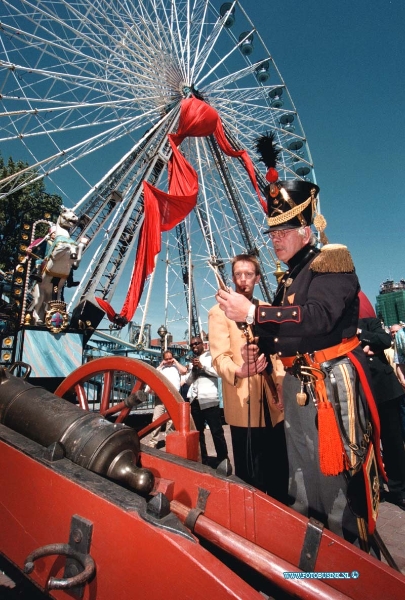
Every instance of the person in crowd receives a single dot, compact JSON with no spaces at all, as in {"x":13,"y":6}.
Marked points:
{"x":388,"y":394}
{"x":203,"y":396}
{"x":252,"y":406}
{"x":399,"y":352}
{"x":312,"y":327}
{"x":398,"y":336}
{"x":389,"y":352}
{"x":172,"y":370}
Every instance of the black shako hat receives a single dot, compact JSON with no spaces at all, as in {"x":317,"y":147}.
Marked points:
{"x":291,"y":204}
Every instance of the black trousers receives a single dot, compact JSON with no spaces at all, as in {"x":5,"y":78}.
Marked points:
{"x":260,"y":456}
{"x":211,"y":416}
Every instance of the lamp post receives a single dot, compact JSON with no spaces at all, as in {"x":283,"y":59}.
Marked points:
{"x":162,"y":333}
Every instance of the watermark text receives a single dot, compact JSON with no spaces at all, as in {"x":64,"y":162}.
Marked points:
{"x":321,"y":575}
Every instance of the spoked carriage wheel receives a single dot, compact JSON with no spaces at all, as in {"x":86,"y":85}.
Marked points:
{"x":113,"y":386}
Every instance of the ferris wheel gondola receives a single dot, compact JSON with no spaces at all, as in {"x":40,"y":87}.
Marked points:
{"x":89,"y":92}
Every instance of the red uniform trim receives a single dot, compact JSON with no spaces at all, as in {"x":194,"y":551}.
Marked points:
{"x":375,"y":419}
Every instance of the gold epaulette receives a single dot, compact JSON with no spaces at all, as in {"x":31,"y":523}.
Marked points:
{"x":333,"y":258}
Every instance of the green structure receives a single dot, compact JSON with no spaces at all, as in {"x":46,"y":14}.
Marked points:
{"x":390,"y":302}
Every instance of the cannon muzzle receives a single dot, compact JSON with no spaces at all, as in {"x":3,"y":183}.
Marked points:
{"x":88,"y":439}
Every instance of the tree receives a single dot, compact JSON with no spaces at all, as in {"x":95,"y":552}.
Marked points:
{"x":24,"y":205}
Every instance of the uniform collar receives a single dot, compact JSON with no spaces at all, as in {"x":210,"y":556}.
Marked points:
{"x":302,"y":256}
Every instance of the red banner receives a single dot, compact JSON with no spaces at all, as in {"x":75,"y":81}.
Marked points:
{"x":162,"y":210}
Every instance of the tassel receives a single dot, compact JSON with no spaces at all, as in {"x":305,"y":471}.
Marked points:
{"x":301,"y":396}
{"x":332,"y":455}
{"x":320,"y":224}
{"x":333,"y":258}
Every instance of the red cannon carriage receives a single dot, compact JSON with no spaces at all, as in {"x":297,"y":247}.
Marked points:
{"x":88,"y":512}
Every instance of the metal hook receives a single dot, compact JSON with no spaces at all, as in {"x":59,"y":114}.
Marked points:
{"x":88,"y":564}
{"x":308,"y":371}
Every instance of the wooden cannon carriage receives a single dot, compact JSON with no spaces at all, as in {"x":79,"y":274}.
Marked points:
{"x":88,"y":511}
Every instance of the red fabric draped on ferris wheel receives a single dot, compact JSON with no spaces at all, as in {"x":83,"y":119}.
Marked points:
{"x":162,"y":210}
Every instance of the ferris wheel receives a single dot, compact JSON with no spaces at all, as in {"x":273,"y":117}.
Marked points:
{"x":89,"y":91}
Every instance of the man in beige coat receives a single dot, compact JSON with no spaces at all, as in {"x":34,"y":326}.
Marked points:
{"x":251,"y":409}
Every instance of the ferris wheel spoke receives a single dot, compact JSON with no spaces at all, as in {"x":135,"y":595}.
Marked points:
{"x":219,"y":63}
{"x":69,"y":155}
{"x":209,"y":233}
{"x":53,"y":47}
{"x":231,"y":78}
{"x":202,"y":56}
{"x":178,"y":39}
{"x":195,"y":35}
{"x":242,"y":95}
{"x":133,"y":124}
{"x":163,"y":29}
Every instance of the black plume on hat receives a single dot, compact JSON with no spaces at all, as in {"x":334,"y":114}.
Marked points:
{"x":290,"y":203}
{"x":267,"y":151}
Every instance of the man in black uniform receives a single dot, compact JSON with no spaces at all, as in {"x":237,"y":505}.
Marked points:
{"x":327,"y":399}
{"x":388,"y":394}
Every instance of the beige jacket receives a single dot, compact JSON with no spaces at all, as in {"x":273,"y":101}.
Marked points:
{"x":226,"y":341}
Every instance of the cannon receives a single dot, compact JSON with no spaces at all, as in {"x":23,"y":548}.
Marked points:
{"x":79,"y":527}
{"x":85,"y":438}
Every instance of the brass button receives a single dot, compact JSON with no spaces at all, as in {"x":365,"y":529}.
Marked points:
{"x":294,"y":313}
{"x":276,"y":340}
{"x":280,"y":353}
{"x":263,"y":314}
{"x":279,"y":314}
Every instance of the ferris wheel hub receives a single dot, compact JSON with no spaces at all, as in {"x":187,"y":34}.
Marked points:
{"x":185,"y":89}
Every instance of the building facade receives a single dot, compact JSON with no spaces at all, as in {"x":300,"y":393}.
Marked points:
{"x":390,"y":302}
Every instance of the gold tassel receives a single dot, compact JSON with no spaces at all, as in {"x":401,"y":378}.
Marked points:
{"x":320,"y":223}
{"x":301,"y":396}
{"x":333,"y":258}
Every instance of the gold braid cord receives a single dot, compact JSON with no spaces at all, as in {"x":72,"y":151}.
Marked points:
{"x":273,"y":221}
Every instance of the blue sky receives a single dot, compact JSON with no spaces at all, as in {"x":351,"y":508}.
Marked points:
{"x":343,"y":63}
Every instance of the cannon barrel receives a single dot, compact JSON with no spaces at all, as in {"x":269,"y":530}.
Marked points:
{"x":87,"y":439}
